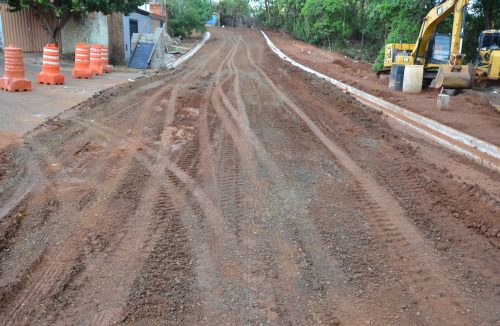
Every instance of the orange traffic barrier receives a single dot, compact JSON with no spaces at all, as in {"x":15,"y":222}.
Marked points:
{"x":14,"y":80}
{"x":95,"y":59}
{"x":106,"y":68}
{"x":51,"y":72}
{"x":81,"y":69}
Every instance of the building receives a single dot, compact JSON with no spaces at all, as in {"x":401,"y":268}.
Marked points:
{"x":22,"y":29}
{"x":155,"y":7}
{"x":136,"y":22}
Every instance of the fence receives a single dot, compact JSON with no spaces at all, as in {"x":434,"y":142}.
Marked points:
{"x":22,"y":29}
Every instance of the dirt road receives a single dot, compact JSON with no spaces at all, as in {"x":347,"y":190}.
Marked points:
{"x":241,"y":191}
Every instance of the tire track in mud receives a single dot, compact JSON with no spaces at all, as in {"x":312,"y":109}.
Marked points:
{"x":307,"y":241}
{"x":58,"y":261}
{"x":186,"y":165}
{"x":138,"y":232}
{"x":208,"y":201}
{"x":424,"y":273}
{"x":261,"y":299}
{"x":22,"y":267}
{"x":221,"y":232}
{"x":238,"y":147}
{"x":20,"y":261}
{"x":198,"y":193}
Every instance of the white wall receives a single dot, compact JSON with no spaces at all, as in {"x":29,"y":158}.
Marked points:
{"x":92,"y":29}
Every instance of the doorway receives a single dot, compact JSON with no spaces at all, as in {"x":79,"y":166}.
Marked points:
{"x":134,"y":27}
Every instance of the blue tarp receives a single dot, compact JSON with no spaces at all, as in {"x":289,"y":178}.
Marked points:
{"x":141,"y":56}
{"x":212,"y":21}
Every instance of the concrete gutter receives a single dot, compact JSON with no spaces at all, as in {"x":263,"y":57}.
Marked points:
{"x":190,"y":53}
{"x":477,"y":149}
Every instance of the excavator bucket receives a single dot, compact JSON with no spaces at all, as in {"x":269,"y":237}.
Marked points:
{"x":453,"y":79}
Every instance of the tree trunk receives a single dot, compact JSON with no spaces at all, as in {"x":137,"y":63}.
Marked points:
{"x":61,"y":22}
{"x":266,"y":2}
{"x":362,"y":25}
{"x":487,"y":20}
{"x":487,"y":9}
{"x":51,"y":24}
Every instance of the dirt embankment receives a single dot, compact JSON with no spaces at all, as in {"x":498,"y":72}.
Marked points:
{"x":470,"y":111}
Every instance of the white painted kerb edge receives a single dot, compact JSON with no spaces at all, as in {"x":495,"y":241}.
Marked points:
{"x":190,"y":53}
{"x":478,"y":144}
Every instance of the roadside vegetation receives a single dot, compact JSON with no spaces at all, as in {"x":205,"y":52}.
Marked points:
{"x":236,"y":9}
{"x":186,"y":16}
{"x":360,"y":28}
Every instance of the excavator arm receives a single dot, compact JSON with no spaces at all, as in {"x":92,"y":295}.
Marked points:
{"x":446,"y":55}
{"x":434,"y":18}
{"x":457,"y":36}
{"x":453,"y":74}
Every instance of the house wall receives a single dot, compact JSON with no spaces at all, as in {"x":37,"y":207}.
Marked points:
{"x":1,"y":34}
{"x":144,"y":24}
{"x":92,"y":29}
{"x":156,"y":23}
{"x":156,"y":7}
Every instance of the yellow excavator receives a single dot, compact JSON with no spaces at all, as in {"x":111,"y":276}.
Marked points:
{"x":440,"y":54}
{"x":488,"y":62}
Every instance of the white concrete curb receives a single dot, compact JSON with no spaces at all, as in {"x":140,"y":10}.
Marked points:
{"x":190,"y":53}
{"x":484,"y":152}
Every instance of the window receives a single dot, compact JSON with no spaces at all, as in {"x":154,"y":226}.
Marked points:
{"x":441,"y":51}
{"x":134,"y":27}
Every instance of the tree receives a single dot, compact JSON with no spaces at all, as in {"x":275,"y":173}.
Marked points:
{"x":236,"y":9}
{"x":489,"y":12}
{"x":188,"y":15}
{"x":359,"y":28}
{"x":55,"y":14}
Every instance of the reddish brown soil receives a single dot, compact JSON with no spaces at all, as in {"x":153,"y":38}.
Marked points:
{"x":239,"y":190}
{"x":470,"y":111}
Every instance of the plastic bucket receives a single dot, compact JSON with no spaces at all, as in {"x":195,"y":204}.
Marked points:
{"x":397,"y":77}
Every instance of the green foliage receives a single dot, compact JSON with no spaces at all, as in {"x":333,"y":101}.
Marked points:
{"x":188,"y":15}
{"x":394,"y":21}
{"x":362,"y":27}
{"x":486,"y":16}
{"x":325,"y":20}
{"x":234,"y":8}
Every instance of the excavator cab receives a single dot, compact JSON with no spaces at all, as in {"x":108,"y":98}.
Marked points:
{"x":488,"y":60}
{"x":488,"y":42}
{"x":438,"y":50}
{"x":443,"y":68}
